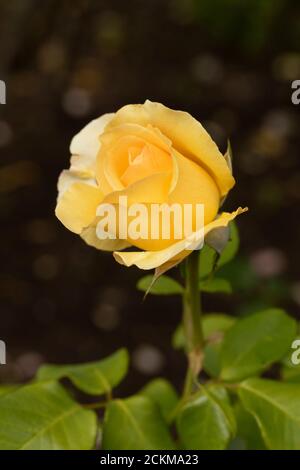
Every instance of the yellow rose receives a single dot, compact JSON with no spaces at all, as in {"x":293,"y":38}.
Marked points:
{"x":150,"y":154}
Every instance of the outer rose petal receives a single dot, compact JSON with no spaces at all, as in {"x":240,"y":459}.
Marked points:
{"x":89,"y":236}
{"x":188,"y":136}
{"x":177,"y":251}
{"x":86,"y":145}
{"x":78,"y":193}
{"x":67,"y":178}
{"x":76,"y":207}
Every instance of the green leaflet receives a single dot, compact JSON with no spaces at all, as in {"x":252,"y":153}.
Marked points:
{"x":161,"y":392}
{"x":255,"y":342}
{"x":94,"y":378}
{"x":276,"y":408}
{"x":135,"y":423}
{"x":163,"y":285}
{"x":207,"y":421}
{"x":43,"y":416}
{"x":209,"y":259}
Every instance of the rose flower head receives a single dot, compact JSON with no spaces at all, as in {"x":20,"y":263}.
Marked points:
{"x":144,"y":156}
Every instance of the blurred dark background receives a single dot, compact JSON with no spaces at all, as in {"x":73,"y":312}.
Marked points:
{"x":229,"y":63}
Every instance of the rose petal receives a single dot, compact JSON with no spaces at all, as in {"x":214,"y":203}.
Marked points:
{"x":76,"y":206}
{"x":154,"y":188}
{"x":112,"y":159}
{"x":147,"y":133}
{"x":177,"y":251}
{"x":89,"y":236}
{"x":67,"y":178}
{"x":86,"y":144}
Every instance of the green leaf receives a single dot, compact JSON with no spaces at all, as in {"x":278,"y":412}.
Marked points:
{"x":43,"y":416}
{"x":212,"y":358}
{"x":232,"y":246}
{"x":255,"y":342}
{"x":291,"y":374}
{"x":207,"y":421}
{"x":247,"y":429}
{"x":214,"y":328}
{"x":212,"y":324}
{"x":215,"y":323}
{"x":276,"y":408}
{"x":216,"y":285}
{"x":178,"y":339}
{"x":161,"y":392}
{"x":164,"y":285}
{"x":7,"y":389}
{"x":209,"y":259}
{"x":94,"y":378}
{"x":135,"y":424}
{"x":241,"y":276}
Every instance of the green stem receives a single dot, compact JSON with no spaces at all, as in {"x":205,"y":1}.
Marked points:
{"x":192,"y":322}
{"x":188,"y":383}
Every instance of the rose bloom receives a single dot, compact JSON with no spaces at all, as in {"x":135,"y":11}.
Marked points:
{"x":151,"y":154}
